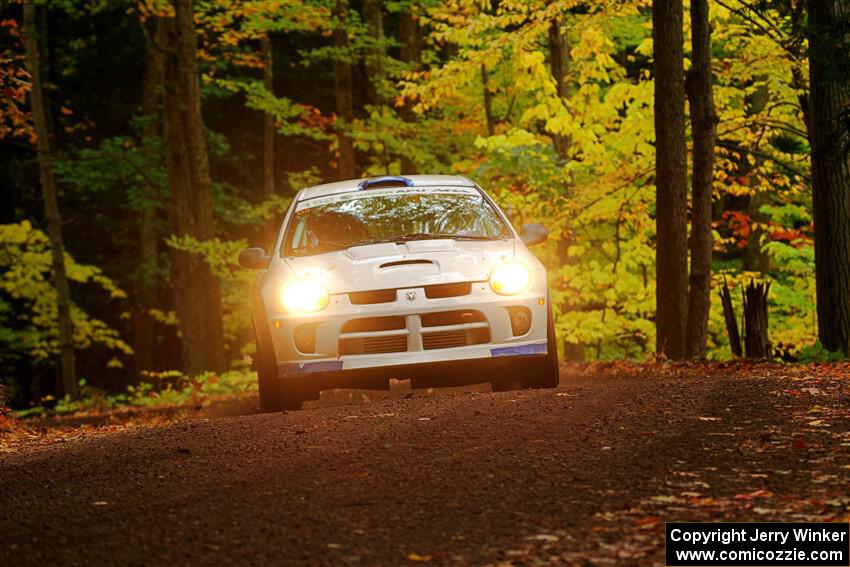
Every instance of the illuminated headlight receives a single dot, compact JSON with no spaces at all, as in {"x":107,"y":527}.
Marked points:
{"x":510,"y":278}
{"x":304,"y":295}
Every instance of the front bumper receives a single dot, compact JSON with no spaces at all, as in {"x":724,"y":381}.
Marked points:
{"x":411,"y":304}
{"x":456,"y":354}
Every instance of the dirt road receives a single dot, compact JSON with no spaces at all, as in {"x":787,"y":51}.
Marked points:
{"x":585,"y":474}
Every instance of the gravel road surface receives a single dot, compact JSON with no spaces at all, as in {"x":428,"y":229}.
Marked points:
{"x":585,"y":475}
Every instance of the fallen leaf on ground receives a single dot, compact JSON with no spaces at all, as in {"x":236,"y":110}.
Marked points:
{"x":543,"y":537}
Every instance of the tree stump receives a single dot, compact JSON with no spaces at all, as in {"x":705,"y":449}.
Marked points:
{"x":756,"y":340}
{"x":731,"y":320}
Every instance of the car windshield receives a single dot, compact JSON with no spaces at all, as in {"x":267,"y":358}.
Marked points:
{"x":337,"y":222}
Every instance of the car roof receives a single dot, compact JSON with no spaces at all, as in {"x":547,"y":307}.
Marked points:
{"x":350,"y":185}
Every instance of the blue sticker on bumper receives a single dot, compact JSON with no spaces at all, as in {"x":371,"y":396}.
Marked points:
{"x":309,"y":367}
{"x":522,"y":350}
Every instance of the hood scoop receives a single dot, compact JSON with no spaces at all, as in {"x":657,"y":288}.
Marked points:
{"x":398,"y":263}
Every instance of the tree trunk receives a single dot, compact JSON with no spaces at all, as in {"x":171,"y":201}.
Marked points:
{"x":488,"y":101}
{"x":344,"y":92}
{"x":411,"y":53}
{"x":559,"y":64}
{"x":51,"y":203}
{"x":144,"y":325}
{"x":374,"y":65}
{"x":671,"y":222}
{"x":375,"y":61}
{"x":268,"y":119}
{"x":197,"y":295}
{"x":269,"y":231}
{"x":704,"y":126}
{"x":754,"y":257}
{"x":731,"y":321}
{"x":756,"y":340}
{"x":829,"y":135}
{"x":573,"y":352}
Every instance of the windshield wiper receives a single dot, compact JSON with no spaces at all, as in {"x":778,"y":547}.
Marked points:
{"x":331,"y":246}
{"x":432,"y":236}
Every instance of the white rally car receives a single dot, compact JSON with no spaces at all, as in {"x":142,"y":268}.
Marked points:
{"x":419,"y":277}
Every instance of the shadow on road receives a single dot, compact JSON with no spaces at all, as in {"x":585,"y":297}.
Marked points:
{"x":398,"y":389}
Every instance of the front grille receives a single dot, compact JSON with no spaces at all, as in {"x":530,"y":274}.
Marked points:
{"x":369,"y":297}
{"x":437,"y":291}
{"x":446,"y":339}
{"x":448,"y":290}
{"x":373,"y":345}
{"x":372,"y":324}
{"x":458,"y":317}
{"x":437,"y":330}
{"x":451,"y":339}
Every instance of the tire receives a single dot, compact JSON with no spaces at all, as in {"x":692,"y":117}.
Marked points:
{"x":542,"y":372}
{"x":274,"y":394}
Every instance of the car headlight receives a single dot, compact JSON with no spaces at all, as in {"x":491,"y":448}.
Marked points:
{"x":304,"y":295}
{"x":510,"y":278}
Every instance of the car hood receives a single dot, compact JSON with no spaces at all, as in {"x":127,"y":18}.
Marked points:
{"x":416,"y":263}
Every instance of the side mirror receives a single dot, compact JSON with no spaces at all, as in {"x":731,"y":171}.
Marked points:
{"x":254,"y":258}
{"x":533,"y":234}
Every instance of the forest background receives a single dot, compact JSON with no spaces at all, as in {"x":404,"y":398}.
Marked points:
{"x":548,"y":105}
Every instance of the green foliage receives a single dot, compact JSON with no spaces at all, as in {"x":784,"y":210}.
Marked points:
{"x":289,"y":116}
{"x":120,"y":162}
{"x":580,"y":160}
{"x":173,"y":388}
{"x":160,"y":389}
{"x":596,"y":196}
{"x":817,"y":353}
{"x":792,"y":294}
{"x":28,"y":319}
{"x":235,"y":282}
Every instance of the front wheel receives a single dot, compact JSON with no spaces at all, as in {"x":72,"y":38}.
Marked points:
{"x":274,"y":394}
{"x":542,"y":372}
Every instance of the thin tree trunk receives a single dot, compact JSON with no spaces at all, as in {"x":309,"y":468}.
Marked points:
{"x":268,"y":133}
{"x":755,"y":258}
{"x":559,"y":66}
{"x":671,"y":222}
{"x":268,"y":119}
{"x":344,"y":93}
{"x":375,"y":61}
{"x":704,"y":126}
{"x":374,"y":64}
{"x":144,"y":326}
{"x":197,"y":295}
{"x":51,"y":203}
{"x":559,"y":63}
{"x":146,"y":284}
{"x":799,"y":82}
{"x":488,"y":101}
{"x":411,"y":53}
{"x":573,"y":352}
{"x":731,"y":321}
{"x":829,"y":134}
